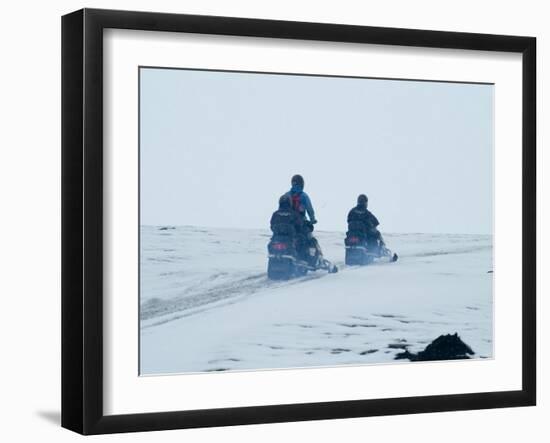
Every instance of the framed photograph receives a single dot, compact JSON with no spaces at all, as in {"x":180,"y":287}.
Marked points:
{"x":269,"y":221}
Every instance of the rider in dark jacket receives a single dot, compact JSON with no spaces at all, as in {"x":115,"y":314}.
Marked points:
{"x":285,"y":220}
{"x":362,"y":220}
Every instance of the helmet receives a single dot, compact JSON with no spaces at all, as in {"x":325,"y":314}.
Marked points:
{"x":284,"y":201}
{"x":297,"y":180}
{"x":362,"y":200}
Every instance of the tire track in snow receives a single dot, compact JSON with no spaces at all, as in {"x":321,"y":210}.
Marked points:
{"x":196,"y":299}
{"x":213,"y":297}
{"x":450,"y":252}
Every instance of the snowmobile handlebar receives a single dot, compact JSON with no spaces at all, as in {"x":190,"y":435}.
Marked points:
{"x":308,"y":225}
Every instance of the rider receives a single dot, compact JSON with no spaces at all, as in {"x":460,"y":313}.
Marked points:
{"x":301,"y":203}
{"x":361,"y":217}
{"x":285,"y":220}
{"x":300,"y":200}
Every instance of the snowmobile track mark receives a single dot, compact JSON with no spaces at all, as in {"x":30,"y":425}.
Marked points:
{"x":194,"y":299}
{"x":452,"y":251}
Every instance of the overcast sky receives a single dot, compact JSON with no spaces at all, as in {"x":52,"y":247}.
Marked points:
{"x":218,"y":149}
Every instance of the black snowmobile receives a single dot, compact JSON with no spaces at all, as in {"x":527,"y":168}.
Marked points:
{"x":363,"y":248}
{"x":293,"y":254}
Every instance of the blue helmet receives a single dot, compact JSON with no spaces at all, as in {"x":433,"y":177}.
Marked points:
{"x":297,"y":180}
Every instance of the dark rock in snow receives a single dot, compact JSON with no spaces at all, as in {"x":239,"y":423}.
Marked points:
{"x":398,"y":345}
{"x":444,"y":347}
{"x":339,"y":350}
{"x":368,"y":351}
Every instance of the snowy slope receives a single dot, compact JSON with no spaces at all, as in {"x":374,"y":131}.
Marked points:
{"x":206,"y":304}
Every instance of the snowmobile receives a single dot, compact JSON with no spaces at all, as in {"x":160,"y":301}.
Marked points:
{"x":294,"y":255}
{"x":363,"y":249}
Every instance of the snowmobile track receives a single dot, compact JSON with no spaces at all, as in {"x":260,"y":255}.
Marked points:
{"x":194,"y":302}
{"x":196,"y":299}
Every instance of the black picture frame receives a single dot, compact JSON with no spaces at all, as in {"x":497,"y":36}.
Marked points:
{"x":82,"y":218}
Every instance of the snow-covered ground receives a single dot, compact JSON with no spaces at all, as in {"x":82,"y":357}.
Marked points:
{"x":207,"y":305}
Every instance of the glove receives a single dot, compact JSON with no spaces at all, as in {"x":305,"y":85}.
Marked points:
{"x":313,"y":221}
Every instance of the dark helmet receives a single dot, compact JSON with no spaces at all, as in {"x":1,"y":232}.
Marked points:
{"x":297,"y":180}
{"x":284,"y":202}
{"x":362,"y":200}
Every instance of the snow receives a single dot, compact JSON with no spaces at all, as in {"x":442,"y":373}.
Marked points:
{"x":207,"y":305}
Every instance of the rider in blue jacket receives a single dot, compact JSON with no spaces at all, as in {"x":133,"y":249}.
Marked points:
{"x":300,"y":200}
